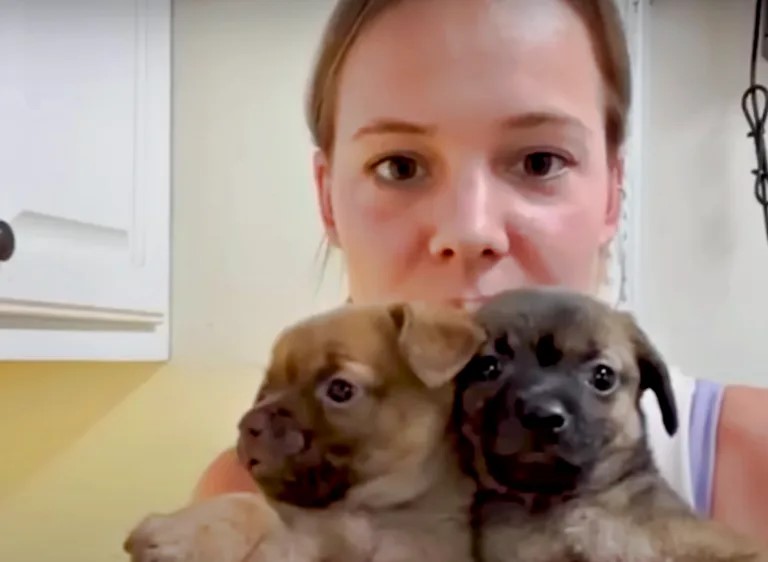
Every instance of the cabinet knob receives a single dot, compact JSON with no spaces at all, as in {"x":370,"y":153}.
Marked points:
{"x":7,"y":241}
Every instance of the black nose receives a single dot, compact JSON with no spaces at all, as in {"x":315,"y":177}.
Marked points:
{"x":542,"y":414}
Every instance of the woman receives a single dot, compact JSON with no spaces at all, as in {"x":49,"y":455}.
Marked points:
{"x":466,"y":147}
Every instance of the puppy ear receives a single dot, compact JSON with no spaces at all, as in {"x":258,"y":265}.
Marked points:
{"x":654,"y":374}
{"x":437,"y":342}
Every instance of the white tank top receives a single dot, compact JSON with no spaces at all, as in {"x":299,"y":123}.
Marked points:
{"x":686,"y":459}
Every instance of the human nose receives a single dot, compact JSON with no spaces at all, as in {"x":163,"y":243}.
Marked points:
{"x":469,"y":224}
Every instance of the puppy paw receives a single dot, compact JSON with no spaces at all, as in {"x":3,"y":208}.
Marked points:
{"x":224,"y":529}
{"x":160,"y":538}
{"x":592,"y":534}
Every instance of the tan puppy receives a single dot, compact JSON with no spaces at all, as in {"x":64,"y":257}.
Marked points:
{"x":349,"y":439}
{"x":552,"y":428}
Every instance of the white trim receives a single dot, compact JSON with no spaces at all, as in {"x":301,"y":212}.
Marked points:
{"x":624,"y":287}
{"x":637,"y":32}
{"x":45,"y":341}
{"x":22,"y":310}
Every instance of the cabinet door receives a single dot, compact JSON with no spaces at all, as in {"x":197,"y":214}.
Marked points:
{"x":84,"y":178}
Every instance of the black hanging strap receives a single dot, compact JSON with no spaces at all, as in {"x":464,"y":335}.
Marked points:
{"x":754,"y":103}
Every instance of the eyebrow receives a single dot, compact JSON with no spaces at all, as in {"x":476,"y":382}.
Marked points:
{"x":393,"y":126}
{"x":535,"y":119}
{"x":528,"y":120}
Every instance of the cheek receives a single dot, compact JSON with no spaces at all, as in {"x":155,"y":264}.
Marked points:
{"x":404,"y":428}
{"x":628,"y":421}
{"x":563,"y":236}
{"x":582,"y":212}
{"x":575,"y":231}
{"x":361,"y":211}
{"x":474,"y":400}
{"x":382,"y":234}
{"x":348,"y":423}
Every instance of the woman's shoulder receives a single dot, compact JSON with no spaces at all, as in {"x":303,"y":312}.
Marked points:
{"x":686,"y":459}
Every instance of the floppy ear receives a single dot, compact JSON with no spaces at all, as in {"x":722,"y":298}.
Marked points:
{"x":654,"y":374}
{"x":437,"y":342}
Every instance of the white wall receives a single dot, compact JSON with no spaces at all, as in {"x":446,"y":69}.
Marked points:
{"x":704,"y":280}
{"x":246,"y":229}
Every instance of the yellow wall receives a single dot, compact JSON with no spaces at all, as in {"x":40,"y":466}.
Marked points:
{"x":89,"y":449}
{"x":46,"y":408}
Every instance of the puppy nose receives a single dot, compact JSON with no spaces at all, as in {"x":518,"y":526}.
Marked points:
{"x":543,"y":414}
{"x":270,"y":433}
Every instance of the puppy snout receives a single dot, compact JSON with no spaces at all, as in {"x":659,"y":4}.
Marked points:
{"x":270,"y":434}
{"x":547,"y":414}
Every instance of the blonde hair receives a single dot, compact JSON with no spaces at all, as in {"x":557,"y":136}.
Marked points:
{"x":350,"y":18}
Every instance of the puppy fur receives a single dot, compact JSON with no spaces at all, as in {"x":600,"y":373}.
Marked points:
{"x":552,"y":430}
{"x":350,"y":441}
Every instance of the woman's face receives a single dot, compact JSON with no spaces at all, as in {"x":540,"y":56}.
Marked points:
{"x":470,"y":153}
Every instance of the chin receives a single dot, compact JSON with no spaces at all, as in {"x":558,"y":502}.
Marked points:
{"x":315,"y":487}
{"x":548,"y":469}
{"x":535,"y":473}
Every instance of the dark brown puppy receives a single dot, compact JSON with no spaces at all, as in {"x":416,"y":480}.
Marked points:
{"x":550,"y":417}
{"x":350,"y":442}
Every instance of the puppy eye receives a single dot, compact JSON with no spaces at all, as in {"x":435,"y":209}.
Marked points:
{"x":340,"y":391}
{"x":603,"y":379}
{"x":487,"y":368}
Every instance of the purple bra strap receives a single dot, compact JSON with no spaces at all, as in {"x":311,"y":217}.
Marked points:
{"x":705,"y":414}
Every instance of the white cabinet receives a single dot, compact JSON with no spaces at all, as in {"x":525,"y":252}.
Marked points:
{"x":84,"y":178}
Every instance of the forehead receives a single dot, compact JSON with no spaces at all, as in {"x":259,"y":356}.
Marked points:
{"x":352,"y":337}
{"x":466,"y":62}
{"x":564,"y":321}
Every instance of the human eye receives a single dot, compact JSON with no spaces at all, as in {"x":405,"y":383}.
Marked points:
{"x":538,"y":165}
{"x":543,"y":165}
{"x":397,"y":169}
